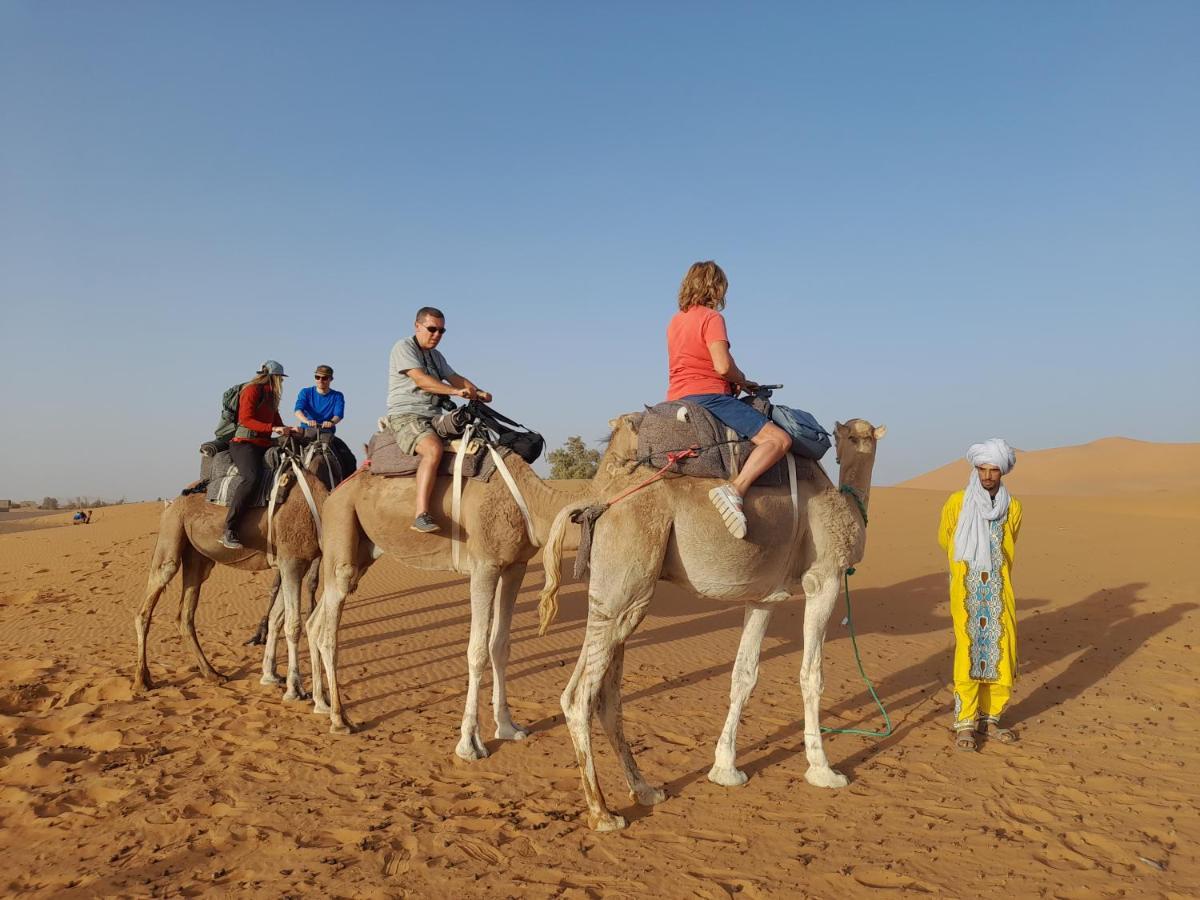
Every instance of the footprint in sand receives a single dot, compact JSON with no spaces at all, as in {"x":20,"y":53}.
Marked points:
{"x":1101,"y":850}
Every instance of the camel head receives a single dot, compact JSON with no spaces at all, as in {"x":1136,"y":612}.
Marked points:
{"x":857,"y":436}
{"x":621,"y":453}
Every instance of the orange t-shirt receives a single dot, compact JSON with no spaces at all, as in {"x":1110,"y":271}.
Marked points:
{"x":689,"y":364}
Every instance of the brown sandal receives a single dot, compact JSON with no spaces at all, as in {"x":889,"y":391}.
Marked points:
{"x":993,"y":730}
{"x":964,"y":740}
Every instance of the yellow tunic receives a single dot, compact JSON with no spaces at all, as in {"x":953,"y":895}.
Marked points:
{"x":995,"y":663}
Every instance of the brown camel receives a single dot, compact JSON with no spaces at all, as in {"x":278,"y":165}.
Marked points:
{"x":670,"y":532}
{"x":189,"y":536}
{"x":369,"y":516}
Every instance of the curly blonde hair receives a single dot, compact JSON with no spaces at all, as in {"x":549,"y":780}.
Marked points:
{"x":703,"y":285}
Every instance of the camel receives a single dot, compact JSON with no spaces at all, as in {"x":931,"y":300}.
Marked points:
{"x":669,"y":531}
{"x":189,"y":533}
{"x":369,"y":516}
{"x":321,"y":461}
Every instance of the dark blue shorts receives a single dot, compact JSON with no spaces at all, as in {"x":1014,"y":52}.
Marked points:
{"x":741,"y":417}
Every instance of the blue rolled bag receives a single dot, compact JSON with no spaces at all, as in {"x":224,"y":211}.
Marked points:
{"x":809,"y":439}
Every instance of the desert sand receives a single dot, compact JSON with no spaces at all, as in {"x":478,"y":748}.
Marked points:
{"x":196,"y":788}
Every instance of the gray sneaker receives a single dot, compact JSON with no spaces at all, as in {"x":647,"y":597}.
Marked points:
{"x":230,"y":541}
{"x":424,"y":523}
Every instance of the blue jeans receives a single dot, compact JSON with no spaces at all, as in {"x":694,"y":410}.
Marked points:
{"x":741,"y":417}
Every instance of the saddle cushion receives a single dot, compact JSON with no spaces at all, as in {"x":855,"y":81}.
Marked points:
{"x":385,"y":459}
{"x":677,"y":425}
{"x":223,"y":478}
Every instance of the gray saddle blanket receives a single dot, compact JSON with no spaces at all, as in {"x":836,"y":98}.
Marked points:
{"x":385,"y":459}
{"x":223,"y":477}
{"x":677,"y":425}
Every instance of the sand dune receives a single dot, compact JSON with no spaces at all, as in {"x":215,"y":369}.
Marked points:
{"x":1113,"y":465}
{"x":197,"y":788}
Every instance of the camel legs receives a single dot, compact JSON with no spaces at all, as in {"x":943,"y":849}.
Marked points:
{"x":484,"y":581}
{"x":259,"y":638}
{"x":162,"y":569}
{"x":292,"y":572}
{"x":323,"y":627}
{"x":346,"y":557}
{"x":745,"y":676}
{"x":196,"y":568}
{"x":614,"y":726}
{"x":818,"y":606}
{"x":609,"y":625}
{"x":273,"y":621}
{"x":499,"y":645}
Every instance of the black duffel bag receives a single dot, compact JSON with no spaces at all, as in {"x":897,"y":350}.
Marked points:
{"x":508,"y":433}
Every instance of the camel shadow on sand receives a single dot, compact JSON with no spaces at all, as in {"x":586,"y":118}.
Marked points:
{"x":1102,"y":630}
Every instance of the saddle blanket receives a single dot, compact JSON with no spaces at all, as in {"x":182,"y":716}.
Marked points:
{"x":677,"y":425}
{"x":385,"y":459}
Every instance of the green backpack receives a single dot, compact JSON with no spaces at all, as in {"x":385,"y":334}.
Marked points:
{"x":227,"y":426}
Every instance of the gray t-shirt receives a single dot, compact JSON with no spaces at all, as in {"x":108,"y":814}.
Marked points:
{"x":404,"y":397}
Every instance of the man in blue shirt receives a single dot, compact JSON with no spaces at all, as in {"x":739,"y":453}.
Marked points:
{"x":321,"y":406}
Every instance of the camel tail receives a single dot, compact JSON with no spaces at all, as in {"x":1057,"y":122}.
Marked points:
{"x":552,"y":563}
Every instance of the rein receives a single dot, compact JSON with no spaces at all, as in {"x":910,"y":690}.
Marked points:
{"x":673,"y":457}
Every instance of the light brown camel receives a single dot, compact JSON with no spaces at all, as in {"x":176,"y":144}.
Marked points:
{"x":369,"y":516}
{"x":189,"y":537}
{"x":670,"y":532}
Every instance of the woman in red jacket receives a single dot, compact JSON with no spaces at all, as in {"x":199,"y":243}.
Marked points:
{"x":257,"y":424}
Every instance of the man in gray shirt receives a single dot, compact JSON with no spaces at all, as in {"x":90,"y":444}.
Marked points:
{"x":419,"y":383}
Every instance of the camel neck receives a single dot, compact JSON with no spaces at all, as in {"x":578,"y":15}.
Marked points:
{"x":856,"y":474}
{"x":546,"y":499}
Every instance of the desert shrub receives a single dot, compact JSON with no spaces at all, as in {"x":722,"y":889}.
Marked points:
{"x":574,"y":460}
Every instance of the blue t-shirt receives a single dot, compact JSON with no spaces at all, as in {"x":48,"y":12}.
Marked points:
{"x":321,"y":407}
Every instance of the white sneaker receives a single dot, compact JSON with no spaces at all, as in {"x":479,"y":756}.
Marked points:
{"x":729,"y":504}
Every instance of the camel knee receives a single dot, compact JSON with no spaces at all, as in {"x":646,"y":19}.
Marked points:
{"x":811,"y":681}
{"x":343,"y":575}
{"x":477,"y":658}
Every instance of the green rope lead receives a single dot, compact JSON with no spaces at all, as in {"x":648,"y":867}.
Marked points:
{"x":870,"y":687}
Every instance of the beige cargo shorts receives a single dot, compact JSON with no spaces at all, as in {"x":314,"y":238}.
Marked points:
{"x":409,"y":430}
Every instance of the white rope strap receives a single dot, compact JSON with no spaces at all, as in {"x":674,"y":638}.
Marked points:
{"x":795,"y":488}
{"x":456,"y":498}
{"x":516,"y":494}
{"x":271,"y":518}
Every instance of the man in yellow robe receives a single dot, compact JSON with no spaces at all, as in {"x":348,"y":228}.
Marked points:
{"x":978,"y":531}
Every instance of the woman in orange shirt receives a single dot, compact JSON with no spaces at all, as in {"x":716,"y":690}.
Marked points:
{"x":702,"y":371}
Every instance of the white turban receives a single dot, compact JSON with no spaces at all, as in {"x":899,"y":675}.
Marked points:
{"x":993,"y":452}
{"x":972,"y":539}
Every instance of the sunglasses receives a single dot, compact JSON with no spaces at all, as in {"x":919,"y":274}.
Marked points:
{"x":323,"y":377}
{"x":433,"y":329}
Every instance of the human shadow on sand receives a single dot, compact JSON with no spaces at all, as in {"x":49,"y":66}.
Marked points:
{"x":1104,"y":629}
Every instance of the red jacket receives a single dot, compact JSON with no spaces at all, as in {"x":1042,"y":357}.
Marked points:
{"x":257,"y":413}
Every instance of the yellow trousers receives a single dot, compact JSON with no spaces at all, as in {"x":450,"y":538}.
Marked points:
{"x":973,"y":699}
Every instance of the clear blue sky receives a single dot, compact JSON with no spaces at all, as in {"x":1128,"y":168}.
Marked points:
{"x":960,"y":220}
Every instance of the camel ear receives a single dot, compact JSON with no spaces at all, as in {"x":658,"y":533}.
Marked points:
{"x":612,"y":423}
{"x":840,"y":428}
{"x":880,"y":431}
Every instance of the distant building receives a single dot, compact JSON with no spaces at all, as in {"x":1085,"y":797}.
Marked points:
{"x":5,"y":505}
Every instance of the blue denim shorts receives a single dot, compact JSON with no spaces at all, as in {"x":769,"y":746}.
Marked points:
{"x":741,"y":417}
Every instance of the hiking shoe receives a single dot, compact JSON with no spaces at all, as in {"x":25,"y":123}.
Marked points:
{"x":230,"y":541}
{"x":729,"y":504}
{"x":424,"y":523}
